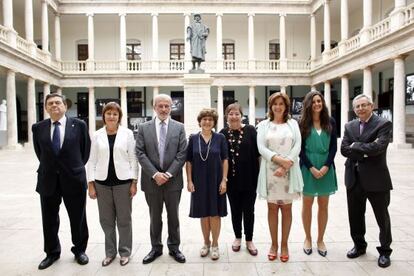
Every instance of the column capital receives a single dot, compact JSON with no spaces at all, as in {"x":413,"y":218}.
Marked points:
{"x":251,"y":14}
{"x":186,"y":14}
{"x":252,"y":86}
{"x":312,"y":15}
{"x":403,"y":56}
{"x":154,"y":14}
{"x":326,"y":2}
{"x":90,"y":14}
{"x":327,"y":82}
{"x":57,"y":14}
{"x":122,"y":14}
{"x":45,"y":2}
{"x":220,"y":86}
{"x":345,"y":76}
{"x":219,"y":14}
{"x":282,"y":14}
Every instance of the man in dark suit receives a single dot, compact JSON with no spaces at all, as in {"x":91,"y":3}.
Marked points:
{"x":62,"y":146}
{"x":161,"y":151}
{"x":365,"y":145}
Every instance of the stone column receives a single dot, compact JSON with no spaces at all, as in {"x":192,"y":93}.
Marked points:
{"x":327,"y":26}
{"x":91,"y":43}
{"x":12,"y":141}
{"x":59,"y":90}
{"x":124,"y":107}
{"x":31,"y":109}
{"x":344,"y":26}
{"x":327,"y":95}
{"x":187,"y":46}
{"x":282,"y":41}
{"x":313,"y":36}
{"x":8,"y":14}
{"x":155,"y":92}
{"x":91,"y":111}
{"x":220,"y":108}
{"x":155,"y":58}
{"x":122,"y":42}
{"x":28,"y":22}
{"x":251,"y":41}
{"x":219,"y":45}
{"x":399,"y":131}
{"x":367,"y":85}
{"x":252,"y":107}
{"x":397,"y":15}
{"x":58,"y":55}
{"x":46,"y":91}
{"x":45,"y":27}
{"x":283,"y":89}
{"x":313,"y":88}
{"x":344,"y":102}
{"x":367,"y":19}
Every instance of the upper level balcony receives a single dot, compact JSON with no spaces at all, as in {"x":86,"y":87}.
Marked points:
{"x":365,"y":37}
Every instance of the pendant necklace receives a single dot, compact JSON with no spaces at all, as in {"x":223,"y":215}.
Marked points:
{"x":208,"y":147}
{"x":235,"y":142}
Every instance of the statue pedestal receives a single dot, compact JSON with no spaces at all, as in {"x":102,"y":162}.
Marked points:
{"x":197,"y":96}
{"x":3,"y":138}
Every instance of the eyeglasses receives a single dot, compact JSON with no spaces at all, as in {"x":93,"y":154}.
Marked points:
{"x":360,"y":106}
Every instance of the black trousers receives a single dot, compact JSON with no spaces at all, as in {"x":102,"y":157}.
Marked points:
{"x":242,"y":208}
{"x":75,"y":206}
{"x":357,"y":198}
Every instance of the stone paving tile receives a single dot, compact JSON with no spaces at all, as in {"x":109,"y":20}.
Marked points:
{"x":21,"y":230}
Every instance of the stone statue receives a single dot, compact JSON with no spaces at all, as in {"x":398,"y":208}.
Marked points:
{"x":3,"y":115}
{"x":197,"y":34}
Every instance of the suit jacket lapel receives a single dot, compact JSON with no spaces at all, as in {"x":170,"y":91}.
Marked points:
{"x":153,"y":135}
{"x":169,"y":133}
{"x":68,"y":131}
{"x":369,"y":126}
{"x":355,"y":129}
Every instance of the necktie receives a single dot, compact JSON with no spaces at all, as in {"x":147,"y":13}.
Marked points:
{"x":56,"y":137}
{"x":361,"y":127}
{"x":161,"y":144}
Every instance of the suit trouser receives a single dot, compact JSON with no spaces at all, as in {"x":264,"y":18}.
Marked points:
{"x":155,"y":203}
{"x":75,"y":206}
{"x":357,"y":198}
{"x":115,"y":207}
{"x":242,"y":208}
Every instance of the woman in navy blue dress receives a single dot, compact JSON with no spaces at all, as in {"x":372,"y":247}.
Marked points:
{"x":207,"y":167}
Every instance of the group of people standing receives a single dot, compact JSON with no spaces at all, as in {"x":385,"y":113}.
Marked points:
{"x":280,"y":161}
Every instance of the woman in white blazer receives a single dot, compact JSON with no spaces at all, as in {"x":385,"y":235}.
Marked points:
{"x":112,"y":179}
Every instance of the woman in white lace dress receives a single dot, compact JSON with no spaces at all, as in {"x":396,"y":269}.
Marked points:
{"x":280,"y":180}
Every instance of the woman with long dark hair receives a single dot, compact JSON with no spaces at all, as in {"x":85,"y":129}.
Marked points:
{"x":317,"y":155}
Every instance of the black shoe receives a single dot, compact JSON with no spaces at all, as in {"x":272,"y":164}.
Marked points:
{"x":82,"y":258}
{"x":307,"y":251}
{"x":151,"y":256}
{"x":48,"y":261}
{"x":355,"y":253}
{"x":178,"y":256}
{"x":384,"y":261}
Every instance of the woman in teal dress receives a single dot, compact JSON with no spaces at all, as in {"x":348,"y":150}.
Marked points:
{"x":317,"y":156}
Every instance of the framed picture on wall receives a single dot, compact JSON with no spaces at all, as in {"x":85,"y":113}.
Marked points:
{"x":391,"y":84}
{"x":409,"y":89}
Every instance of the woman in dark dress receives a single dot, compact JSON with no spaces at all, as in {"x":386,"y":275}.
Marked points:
{"x":206,"y":169}
{"x":242,"y":177}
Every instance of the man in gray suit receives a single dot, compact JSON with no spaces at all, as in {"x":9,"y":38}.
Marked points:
{"x":161,"y":151}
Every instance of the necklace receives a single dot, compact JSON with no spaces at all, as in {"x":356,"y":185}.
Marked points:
{"x":235,"y":140}
{"x":208,"y":147}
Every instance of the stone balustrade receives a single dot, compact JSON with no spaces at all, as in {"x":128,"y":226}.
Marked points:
{"x":380,"y":29}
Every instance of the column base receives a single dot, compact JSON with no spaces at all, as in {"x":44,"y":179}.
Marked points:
{"x":13,"y":147}
{"x":400,"y":146}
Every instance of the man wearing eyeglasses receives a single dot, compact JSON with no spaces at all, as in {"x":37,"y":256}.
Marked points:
{"x":365,"y":143}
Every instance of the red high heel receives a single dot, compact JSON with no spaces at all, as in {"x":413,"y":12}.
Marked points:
{"x":272,"y":255}
{"x":284,"y":258}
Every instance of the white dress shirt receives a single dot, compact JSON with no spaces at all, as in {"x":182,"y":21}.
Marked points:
{"x":61,"y":128}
